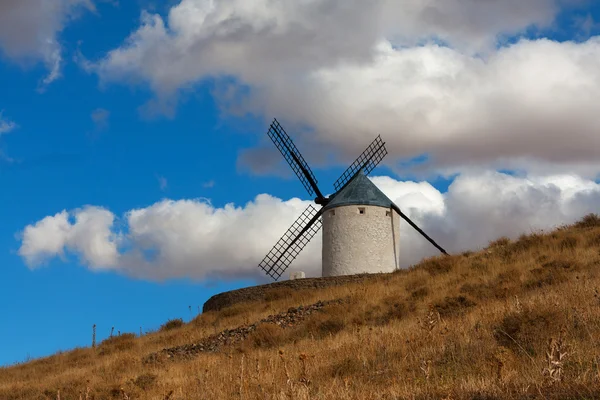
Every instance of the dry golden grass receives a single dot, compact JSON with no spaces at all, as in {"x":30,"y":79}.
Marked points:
{"x":520,"y":319}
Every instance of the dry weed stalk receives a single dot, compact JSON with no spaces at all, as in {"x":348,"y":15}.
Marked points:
{"x":518,"y":305}
{"x":125,"y":397}
{"x":241,"y":390}
{"x":304,"y":375}
{"x":431,"y":319}
{"x":501,"y":358}
{"x":555,"y":356}
{"x":287,"y":374}
{"x":168,"y":395}
{"x":257,"y":369}
{"x":499,"y":367}
{"x":426,"y":368}
{"x":289,"y":382}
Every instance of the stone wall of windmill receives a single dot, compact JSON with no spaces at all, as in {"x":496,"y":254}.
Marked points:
{"x":360,"y":239}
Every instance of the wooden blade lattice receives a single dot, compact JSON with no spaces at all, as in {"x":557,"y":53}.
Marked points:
{"x":368,"y":160}
{"x":292,"y":242}
{"x":288,"y":150}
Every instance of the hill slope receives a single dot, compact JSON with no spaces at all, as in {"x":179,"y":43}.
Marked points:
{"x":520,"y":319}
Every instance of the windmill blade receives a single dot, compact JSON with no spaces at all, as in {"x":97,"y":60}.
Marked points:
{"x":405,"y":217}
{"x":288,"y":150}
{"x":292,"y":242}
{"x":368,"y":160}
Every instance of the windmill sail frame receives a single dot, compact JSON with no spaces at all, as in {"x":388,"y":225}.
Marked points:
{"x":367,"y":161}
{"x":306,"y":226}
{"x":292,"y":242}
{"x":290,"y":153}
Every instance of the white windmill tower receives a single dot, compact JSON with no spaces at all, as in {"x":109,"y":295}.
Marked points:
{"x":360,"y":223}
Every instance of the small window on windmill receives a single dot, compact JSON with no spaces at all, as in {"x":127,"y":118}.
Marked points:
{"x":388,"y":213}
{"x":332,"y":212}
{"x":361,"y":210}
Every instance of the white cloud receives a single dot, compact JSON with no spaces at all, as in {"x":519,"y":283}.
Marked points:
{"x":192,"y":238}
{"x":252,"y":39}
{"x":29,"y":30}
{"x":89,"y":236}
{"x":6,"y":125}
{"x":354,"y":69}
{"x":481,"y":207}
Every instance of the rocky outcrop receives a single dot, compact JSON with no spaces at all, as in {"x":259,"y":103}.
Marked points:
{"x":261,"y":293}
{"x":227,"y":337}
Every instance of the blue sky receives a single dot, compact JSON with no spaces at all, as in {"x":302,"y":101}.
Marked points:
{"x":84,"y":139}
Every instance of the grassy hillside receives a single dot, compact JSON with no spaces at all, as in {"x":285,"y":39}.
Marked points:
{"x":520,"y":319}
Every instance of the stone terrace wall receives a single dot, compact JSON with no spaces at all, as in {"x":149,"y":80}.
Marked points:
{"x":227,"y":299}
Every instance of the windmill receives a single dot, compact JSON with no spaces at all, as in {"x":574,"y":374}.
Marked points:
{"x":360,"y":223}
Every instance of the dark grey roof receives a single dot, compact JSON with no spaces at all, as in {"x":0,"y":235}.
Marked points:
{"x":360,"y":191}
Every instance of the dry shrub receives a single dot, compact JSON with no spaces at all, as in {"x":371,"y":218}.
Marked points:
{"x":593,"y":240}
{"x":479,"y":290}
{"x":145,"y":381}
{"x":505,"y":284}
{"x":414,"y":282}
{"x":454,"y":306}
{"x":123,"y":342}
{"x":394,"y":309}
{"x":330,"y":327}
{"x":278,"y":294}
{"x":439,"y":265}
{"x":527,"y":242}
{"x":319,"y":326}
{"x":479,"y":266}
{"x":559,"y":264}
{"x":331,"y":319}
{"x":589,"y":221}
{"x":492,"y":290}
{"x":347,"y":367}
{"x":267,"y":336}
{"x":551,"y":273}
{"x":569,"y":243}
{"x":419,"y":293}
{"x":500,"y":242}
{"x":391,"y":309}
{"x":172,"y":324}
{"x":235,"y":310}
{"x":527,"y":331}
{"x":79,"y":356}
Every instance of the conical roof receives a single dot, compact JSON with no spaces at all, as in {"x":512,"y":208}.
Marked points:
{"x":360,"y":191}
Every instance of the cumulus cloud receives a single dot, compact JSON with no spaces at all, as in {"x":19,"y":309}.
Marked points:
{"x":253,"y":39}
{"x":29,"y":30}
{"x":192,"y":238}
{"x":86,"y":232}
{"x":352,"y":69}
